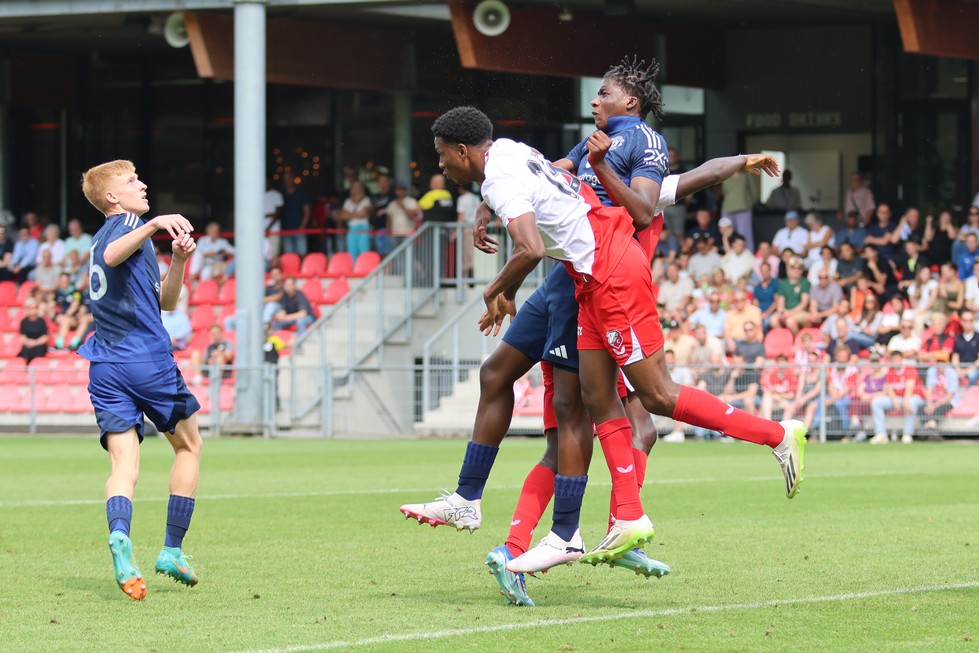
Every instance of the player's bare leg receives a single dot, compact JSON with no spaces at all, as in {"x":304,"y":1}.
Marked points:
{"x":661,"y":395}
{"x":184,"y":476}
{"x":123,"y":451}
{"x":599,"y":383}
{"x":461,"y":508}
{"x":563,"y":544}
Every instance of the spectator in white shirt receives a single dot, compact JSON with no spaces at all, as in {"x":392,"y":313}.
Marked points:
{"x":703,"y":261}
{"x":792,"y":236}
{"x":738,"y":262}
{"x":273,"y":210}
{"x":820,"y":235}
{"x":52,"y":243}
{"x":211,"y":249}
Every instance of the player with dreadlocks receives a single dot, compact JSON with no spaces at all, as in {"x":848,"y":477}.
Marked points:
{"x":545,"y":329}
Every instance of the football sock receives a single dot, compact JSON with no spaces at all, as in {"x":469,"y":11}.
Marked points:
{"x":615,"y":436}
{"x":538,"y":488}
{"x":475,"y":470}
{"x":119,"y":513}
{"x":701,"y":409}
{"x":568,"y":493}
{"x":179,"y":511}
{"x":640,"y":457}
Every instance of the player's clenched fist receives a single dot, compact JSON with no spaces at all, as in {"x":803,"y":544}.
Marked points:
{"x":183,"y":247}
{"x":175,"y":224}
{"x":598,"y":145}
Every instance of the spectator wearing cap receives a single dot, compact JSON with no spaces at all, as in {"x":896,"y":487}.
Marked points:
{"x":852,"y":232}
{"x":819,"y":236}
{"x":880,"y":233}
{"x":785,"y":197}
{"x":824,"y":297}
{"x":792,"y":236}
{"x":902,"y":391}
{"x":792,"y":298}
{"x":737,"y":263}
{"x":703,"y":262}
{"x":740,"y":195}
{"x":704,"y":227}
{"x":712,"y":316}
{"x":680,"y":343}
{"x":738,"y":318}
{"x":965,"y":350}
{"x":726,"y":228}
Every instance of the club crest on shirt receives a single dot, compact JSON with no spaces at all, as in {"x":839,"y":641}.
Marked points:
{"x":616,"y":342}
{"x":617,"y":142}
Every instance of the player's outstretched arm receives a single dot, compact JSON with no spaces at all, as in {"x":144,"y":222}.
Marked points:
{"x":717,"y":170}
{"x":183,"y":247}
{"x":123,"y":247}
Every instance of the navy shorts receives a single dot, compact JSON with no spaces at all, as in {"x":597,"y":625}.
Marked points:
{"x":122,"y":392}
{"x":546,"y":326}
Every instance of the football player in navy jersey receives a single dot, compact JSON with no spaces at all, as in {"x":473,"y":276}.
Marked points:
{"x":132,"y":369}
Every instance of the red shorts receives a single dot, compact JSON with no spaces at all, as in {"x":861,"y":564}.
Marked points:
{"x":547,"y":372}
{"x":620,"y":315}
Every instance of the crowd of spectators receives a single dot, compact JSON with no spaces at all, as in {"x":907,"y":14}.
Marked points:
{"x":884,"y":306}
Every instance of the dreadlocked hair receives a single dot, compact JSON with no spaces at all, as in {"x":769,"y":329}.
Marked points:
{"x":466,"y":125}
{"x":635,"y":78}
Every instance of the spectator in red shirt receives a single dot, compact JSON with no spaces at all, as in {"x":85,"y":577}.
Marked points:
{"x":936,"y":346}
{"x":779,"y":385}
{"x":902,"y":391}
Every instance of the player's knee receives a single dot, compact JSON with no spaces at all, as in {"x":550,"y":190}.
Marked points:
{"x":491,"y":378}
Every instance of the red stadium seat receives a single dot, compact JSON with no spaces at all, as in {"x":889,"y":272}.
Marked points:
{"x":289,"y":263}
{"x":341,"y":265}
{"x":55,"y":398}
{"x":337,"y":290}
{"x":8,"y":293}
{"x":202,"y":319}
{"x":366,"y":262}
{"x":779,"y":341}
{"x":14,"y":373}
{"x":81,"y":403}
{"x":227,"y":293}
{"x":314,"y":265}
{"x":534,"y":403}
{"x":969,"y":404}
{"x":46,"y":370}
{"x":313,"y":290}
{"x":24,"y":292}
{"x":6,"y":324}
{"x":227,"y":398}
{"x":285,"y":336}
{"x":10,"y":346}
{"x":203,"y":397}
{"x":205,"y":292}
{"x":16,"y":398}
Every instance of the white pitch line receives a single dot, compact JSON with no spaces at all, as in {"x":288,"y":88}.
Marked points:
{"x":34,"y":503}
{"x":544,"y":623}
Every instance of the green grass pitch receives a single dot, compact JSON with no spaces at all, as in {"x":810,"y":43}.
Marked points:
{"x":300,"y":547}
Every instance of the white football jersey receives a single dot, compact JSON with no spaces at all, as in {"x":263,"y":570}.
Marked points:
{"x":519,"y":180}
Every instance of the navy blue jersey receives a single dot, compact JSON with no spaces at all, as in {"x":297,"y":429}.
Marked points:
{"x":125,"y":300}
{"x":636,"y":151}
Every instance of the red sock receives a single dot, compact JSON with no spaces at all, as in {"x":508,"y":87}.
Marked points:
{"x":538,"y":488}
{"x":639,"y":456}
{"x":699,"y":408}
{"x":615,"y":437}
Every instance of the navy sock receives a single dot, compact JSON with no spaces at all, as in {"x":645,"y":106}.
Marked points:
{"x":475,"y":470}
{"x":179,"y":512}
{"x":568,"y":493}
{"x":119,"y":513}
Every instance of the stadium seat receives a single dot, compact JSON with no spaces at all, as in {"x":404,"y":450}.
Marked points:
{"x":14,"y":373}
{"x":314,"y":265}
{"x":16,"y":398}
{"x":366,"y":262}
{"x":24,"y":292}
{"x":203,"y":397}
{"x":968,"y":406}
{"x":779,"y":341}
{"x":336,"y":291}
{"x":817,"y":337}
{"x":227,"y":398}
{"x":8,"y":293}
{"x":6,"y":324}
{"x":198,"y":342}
{"x":227,"y":293}
{"x":533,"y":404}
{"x":313,"y":290}
{"x":46,"y":370}
{"x":10,"y":347}
{"x":202,"y":319}
{"x":289,"y":264}
{"x":55,"y":398}
{"x":81,"y":403}
{"x":341,"y":265}
{"x":205,"y":292}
